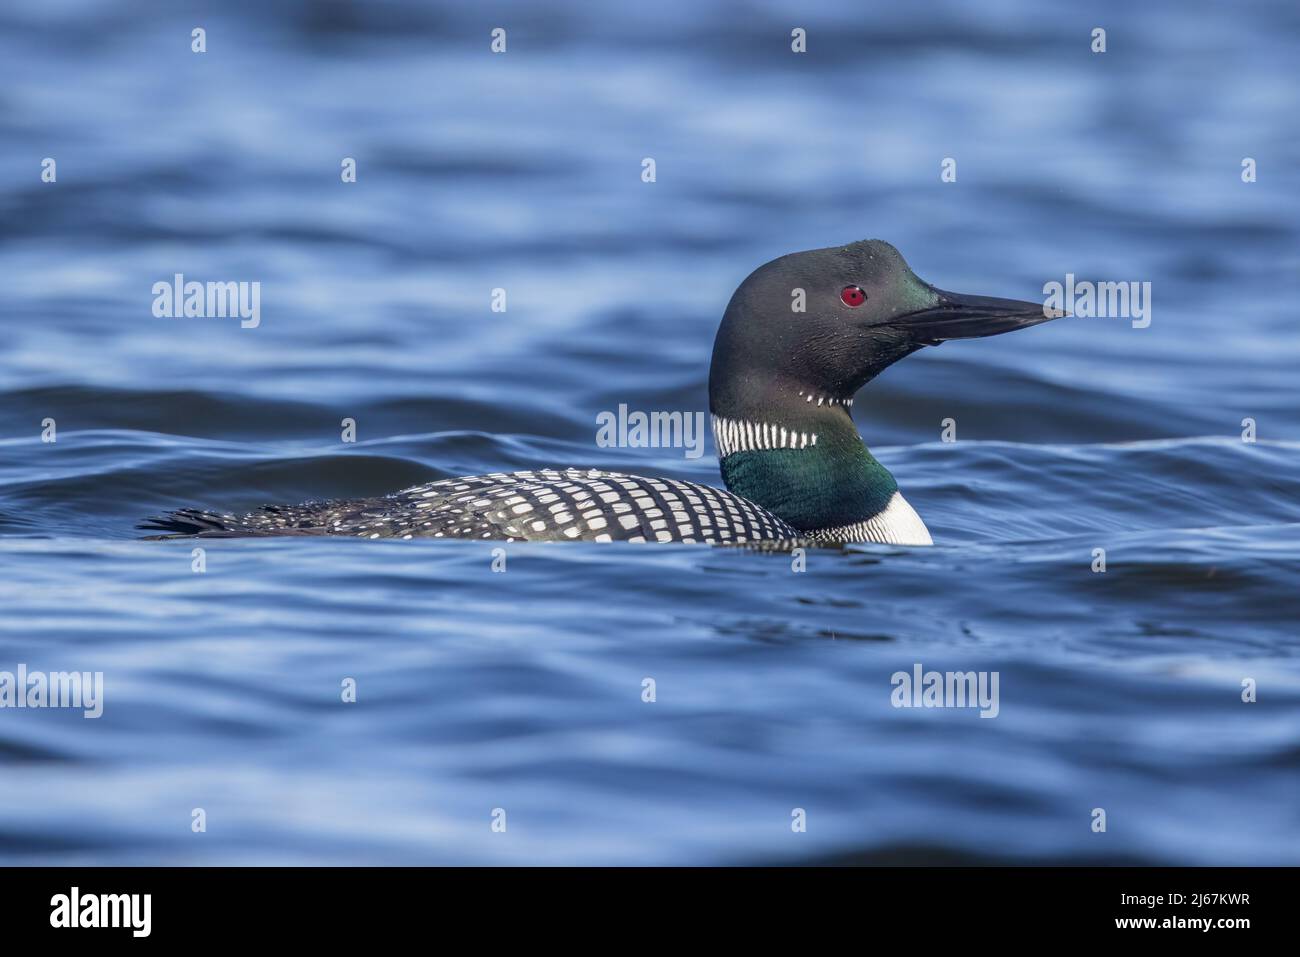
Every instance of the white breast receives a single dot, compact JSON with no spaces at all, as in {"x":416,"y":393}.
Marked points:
{"x":896,"y":524}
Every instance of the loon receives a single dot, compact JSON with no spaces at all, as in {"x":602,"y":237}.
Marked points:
{"x":781,"y":387}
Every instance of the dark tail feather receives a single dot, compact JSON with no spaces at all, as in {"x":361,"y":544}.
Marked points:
{"x":188,"y":521}
{"x":305,"y":519}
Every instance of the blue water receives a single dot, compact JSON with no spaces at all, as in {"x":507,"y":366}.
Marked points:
{"x":522,"y":690}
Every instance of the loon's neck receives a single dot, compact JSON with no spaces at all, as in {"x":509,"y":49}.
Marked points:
{"x":798,"y":455}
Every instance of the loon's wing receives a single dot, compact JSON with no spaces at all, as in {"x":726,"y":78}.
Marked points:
{"x":542,"y":505}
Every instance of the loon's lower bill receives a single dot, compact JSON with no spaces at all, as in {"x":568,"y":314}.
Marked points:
{"x":801,"y":335}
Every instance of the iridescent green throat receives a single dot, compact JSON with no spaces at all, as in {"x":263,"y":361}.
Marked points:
{"x":834,"y":482}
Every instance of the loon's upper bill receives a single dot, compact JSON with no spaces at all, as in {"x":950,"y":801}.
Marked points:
{"x":801,"y":335}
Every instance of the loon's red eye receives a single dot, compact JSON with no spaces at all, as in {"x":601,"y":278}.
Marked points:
{"x":853,"y":296}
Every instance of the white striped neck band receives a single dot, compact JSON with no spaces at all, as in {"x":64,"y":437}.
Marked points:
{"x":744,"y":435}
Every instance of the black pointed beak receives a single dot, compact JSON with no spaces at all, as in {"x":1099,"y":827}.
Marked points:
{"x":957,"y":316}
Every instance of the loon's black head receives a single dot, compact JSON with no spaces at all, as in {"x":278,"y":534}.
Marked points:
{"x":827,"y":321}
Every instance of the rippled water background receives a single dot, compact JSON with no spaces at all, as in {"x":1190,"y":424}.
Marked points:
{"x":522,"y":690}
